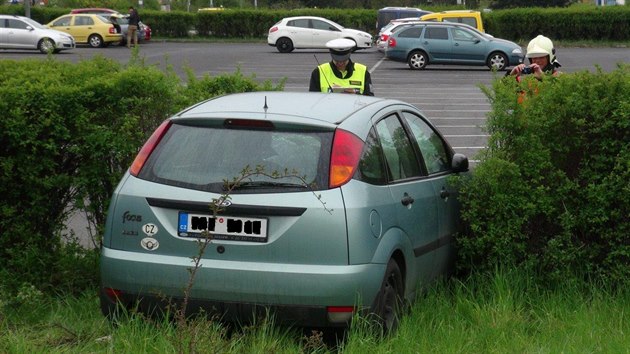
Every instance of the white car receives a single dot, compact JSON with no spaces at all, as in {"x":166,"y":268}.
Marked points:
{"x":19,"y":32}
{"x":305,"y":32}
{"x":388,"y":29}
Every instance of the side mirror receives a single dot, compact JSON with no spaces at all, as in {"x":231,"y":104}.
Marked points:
{"x":459,"y":163}
{"x":29,"y":28}
{"x":477,"y":40}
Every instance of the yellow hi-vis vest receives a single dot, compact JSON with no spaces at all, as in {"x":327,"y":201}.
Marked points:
{"x":327,"y":78}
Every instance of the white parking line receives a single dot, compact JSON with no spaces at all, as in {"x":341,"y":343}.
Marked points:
{"x":376,"y":65}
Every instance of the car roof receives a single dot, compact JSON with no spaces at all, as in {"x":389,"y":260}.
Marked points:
{"x":331,"y":108}
{"x":302,"y":17}
{"x":93,"y":10}
{"x":438,"y":23}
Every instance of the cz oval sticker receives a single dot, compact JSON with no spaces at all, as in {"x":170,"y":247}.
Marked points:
{"x":149,"y":229}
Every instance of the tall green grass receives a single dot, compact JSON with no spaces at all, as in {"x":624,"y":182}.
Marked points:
{"x":504,"y":312}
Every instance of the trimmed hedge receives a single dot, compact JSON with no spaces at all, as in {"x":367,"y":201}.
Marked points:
{"x":69,"y":132}
{"x":551,"y":191}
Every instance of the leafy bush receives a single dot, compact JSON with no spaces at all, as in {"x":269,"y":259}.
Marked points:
{"x":551,"y":191}
{"x":69,"y":132}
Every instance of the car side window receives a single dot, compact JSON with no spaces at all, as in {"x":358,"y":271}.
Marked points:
{"x":399,"y":155}
{"x":302,"y":23}
{"x":324,"y":26}
{"x":432,"y":146}
{"x":372,"y":163}
{"x":16,"y":24}
{"x":83,"y":21}
{"x":471,"y":21}
{"x":64,"y":21}
{"x":462,"y":35}
{"x":436,"y":33}
{"x":412,"y":32}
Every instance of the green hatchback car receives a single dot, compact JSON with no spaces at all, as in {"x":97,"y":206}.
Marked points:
{"x":342,"y":204}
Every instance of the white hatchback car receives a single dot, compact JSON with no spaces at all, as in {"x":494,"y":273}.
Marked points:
{"x":305,"y":32}
{"x":19,"y":32}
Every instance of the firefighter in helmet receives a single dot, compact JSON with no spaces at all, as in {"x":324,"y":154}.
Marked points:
{"x":542,"y":59}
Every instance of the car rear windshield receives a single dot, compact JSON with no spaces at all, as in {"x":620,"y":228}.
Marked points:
{"x":204,"y":158}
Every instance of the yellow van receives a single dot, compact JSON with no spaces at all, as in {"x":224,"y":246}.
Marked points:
{"x":469,"y":17}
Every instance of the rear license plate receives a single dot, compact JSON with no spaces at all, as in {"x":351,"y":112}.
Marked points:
{"x":222,"y":227}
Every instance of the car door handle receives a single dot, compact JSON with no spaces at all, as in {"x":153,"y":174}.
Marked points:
{"x":444,"y":193}
{"x":456,"y":44}
{"x":407,"y":200}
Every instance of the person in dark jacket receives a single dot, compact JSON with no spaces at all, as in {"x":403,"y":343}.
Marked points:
{"x":132,"y":30}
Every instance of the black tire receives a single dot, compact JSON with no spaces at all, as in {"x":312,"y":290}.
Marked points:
{"x":417,"y":60}
{"x":284,"y":45}
{"x":46,"y":45}
{"x":498,"y":61}
{"x":388,"y":304}
{"x":95,"y":41}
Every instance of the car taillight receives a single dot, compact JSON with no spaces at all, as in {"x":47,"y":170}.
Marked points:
{"x":391,"y":42}
{"x":112,"y":30}
{"x":384,"y":37}
{"x":273,"y":29}
{"x":148,"y":148}
{"x":346,"y":151}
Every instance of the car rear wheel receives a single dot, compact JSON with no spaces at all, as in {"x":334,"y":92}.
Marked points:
{"x":284,"y":45}
{"x":417,"y":60}
{"x":388,"y":304}
{"x":497,"y":61}
{"x":46,"y":45}
{"x":95,"y":41}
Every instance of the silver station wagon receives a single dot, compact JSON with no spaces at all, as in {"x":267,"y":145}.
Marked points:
{"x":343,"y":206}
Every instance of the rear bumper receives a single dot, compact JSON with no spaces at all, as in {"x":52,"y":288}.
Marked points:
{"x":297,"y":293}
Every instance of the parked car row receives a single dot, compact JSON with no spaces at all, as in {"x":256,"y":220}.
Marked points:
{"x":96,"y":27}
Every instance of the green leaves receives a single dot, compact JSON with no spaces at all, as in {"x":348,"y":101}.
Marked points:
{"x":551,"y":190}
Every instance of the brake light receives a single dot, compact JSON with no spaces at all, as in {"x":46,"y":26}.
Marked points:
{"x":384,"y":37}
{"x":346,"y":151}
{"x":112,"y":30}
{"x":148,"y":148}
{"x":273,"y":29}
{"x":391,"y":42}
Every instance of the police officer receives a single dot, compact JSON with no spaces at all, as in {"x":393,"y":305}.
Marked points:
{"x":542,"y":58}
{"x":341,"y":74}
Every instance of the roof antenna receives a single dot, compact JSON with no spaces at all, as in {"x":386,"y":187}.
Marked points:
{"x":265,"y":107}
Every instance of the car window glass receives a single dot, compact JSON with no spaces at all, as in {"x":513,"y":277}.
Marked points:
{"x":471,"y":21}
{"x":371,"y":165}
{"x":324,"y":26}
{"x":462,"y":35}
{"x":202,"y":157}
{"x":399,"y":156}
{"x":64,"y":21}
{"x":436,"y":33}
{"x":17,"y":24}
{"x":412,"y":32}
{"x":303,"y":23}
{"x":83,"y":21}
{"x":430,"y":143}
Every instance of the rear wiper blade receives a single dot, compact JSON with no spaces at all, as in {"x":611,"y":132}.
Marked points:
{"x":267,"y":184}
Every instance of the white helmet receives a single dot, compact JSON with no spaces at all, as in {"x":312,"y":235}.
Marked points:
{"x":541,"y":46}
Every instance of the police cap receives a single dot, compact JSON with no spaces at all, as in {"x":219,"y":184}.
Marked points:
{"x":340,"y":48}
